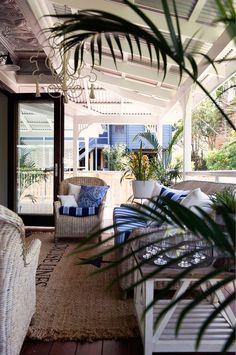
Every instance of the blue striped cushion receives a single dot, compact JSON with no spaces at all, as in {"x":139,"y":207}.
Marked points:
{"x":175,"y":195}
{"x":129,"y":220}
{"x":79,"y":211}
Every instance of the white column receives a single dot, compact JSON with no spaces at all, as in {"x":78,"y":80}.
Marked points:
{"x":159,"y":131}
{"x":75,"y":146}
{"x":186,"y":104}
{"x":86,"y":142}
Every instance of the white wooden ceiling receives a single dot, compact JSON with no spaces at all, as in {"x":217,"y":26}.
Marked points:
{"x":136,"y":88}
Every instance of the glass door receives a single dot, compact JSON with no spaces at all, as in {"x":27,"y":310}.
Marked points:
{"x":38,"y":158}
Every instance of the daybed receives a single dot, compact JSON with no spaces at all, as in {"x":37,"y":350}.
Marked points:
{"x":205,"y":186}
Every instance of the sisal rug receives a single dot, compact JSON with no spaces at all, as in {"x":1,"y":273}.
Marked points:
{"x":72,"y":304}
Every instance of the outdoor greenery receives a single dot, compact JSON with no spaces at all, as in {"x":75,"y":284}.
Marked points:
{"x":29,"y":174}
{"x":209,"y":131}
{"x":116,"y":157}
{"x":139,"y":166}
{"x":223,"y":158}
{"x":162,"y":168}
{"x":93,"y":27}
{"x":225,"y":198}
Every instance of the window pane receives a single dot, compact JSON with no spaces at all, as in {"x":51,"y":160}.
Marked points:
{"x":35,"y":158}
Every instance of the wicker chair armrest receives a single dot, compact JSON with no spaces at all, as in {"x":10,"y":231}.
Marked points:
{"x":101,"y":210}
{"x":33,"y":251}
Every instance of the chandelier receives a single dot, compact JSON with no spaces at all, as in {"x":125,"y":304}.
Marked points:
{"x":66,"y":81}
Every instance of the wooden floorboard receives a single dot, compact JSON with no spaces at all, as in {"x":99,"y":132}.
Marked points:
{"x":32,"y":347}
{"x":116,"y":347}
{"x":65,"y":348}
{"x":94,"y":348}
{"x":102,"y":347}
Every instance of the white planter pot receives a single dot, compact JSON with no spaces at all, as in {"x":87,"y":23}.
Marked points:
{"x":142,"y":189}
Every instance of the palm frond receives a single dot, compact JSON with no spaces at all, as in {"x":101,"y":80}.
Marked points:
{"x":87,"y":24}
{"x":202,"y":225}
{"x":148,"y":136}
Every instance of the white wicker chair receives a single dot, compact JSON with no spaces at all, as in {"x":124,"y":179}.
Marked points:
{"x":17,"y":282}
{"x":77,"y":227}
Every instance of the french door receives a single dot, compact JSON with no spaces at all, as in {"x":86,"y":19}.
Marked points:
{"x":35,"y":156}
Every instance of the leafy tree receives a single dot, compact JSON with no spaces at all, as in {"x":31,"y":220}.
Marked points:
{"x":116,"y":157}
{"x":207,"y":124}
{"x":223,"y":158}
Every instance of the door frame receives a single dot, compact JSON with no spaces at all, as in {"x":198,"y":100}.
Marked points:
{"x":13,"y":125}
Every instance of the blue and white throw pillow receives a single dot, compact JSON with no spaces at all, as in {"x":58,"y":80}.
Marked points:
{"x":175,"y":195}
{"x":92,"y":196}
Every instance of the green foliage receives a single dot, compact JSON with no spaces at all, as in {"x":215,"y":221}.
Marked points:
{"x":206,"y":125}
{"x":116,"y":157}
{"x":29,"y":174}
{"x":223,"y":158}
{"x":225,"y":198}
{"x":202,"y":226}
{"x":160,"y":166}
{"x":139,"y":167}
{"x":166,"y":176}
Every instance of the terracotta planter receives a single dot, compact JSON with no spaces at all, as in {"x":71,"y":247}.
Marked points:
{"x":142,"y":189}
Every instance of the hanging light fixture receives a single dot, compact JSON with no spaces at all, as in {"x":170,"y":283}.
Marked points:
{"x":92,"y":94}
{"x":66,"y":81}
{"x":7,"y":64}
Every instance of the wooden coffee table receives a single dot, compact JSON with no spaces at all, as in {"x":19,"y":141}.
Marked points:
{"x":162,"y":338}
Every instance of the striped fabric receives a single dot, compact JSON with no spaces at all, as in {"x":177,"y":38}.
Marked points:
{"x":129,"y":220}
{"x":175,"y":195}
{"x":79,"y":211}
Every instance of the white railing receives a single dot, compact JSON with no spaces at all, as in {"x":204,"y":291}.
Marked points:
{"x":117,"y":194}
{"x":212,"y":175}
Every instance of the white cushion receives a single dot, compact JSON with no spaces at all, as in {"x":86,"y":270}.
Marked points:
{"x":74,"y":190}
{"x":197,"y":198}
{"x":67,"y":200}
{"x":157,"y":189}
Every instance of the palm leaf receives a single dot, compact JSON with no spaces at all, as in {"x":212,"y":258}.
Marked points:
{"x":173,"y":213}
{"x":93,"y":22}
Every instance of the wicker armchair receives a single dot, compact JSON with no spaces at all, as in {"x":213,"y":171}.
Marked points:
{"x":77,"y":227}
{"x":17,"y":282}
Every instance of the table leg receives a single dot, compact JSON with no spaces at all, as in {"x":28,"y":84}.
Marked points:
{"x":148,"y":318}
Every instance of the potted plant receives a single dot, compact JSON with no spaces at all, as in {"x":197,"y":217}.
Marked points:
{"x":226,"y":199}
{"x":140,"y":171}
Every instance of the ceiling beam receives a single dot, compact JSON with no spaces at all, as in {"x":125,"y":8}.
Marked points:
{"x":223,"y":42}
{"x":188,"y":28}
{"x":118,"y":119}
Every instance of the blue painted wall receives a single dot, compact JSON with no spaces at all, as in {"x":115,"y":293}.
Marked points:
{"x":124,"y":134}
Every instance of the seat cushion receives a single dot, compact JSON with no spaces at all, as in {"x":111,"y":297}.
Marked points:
{"x":79,"y":211}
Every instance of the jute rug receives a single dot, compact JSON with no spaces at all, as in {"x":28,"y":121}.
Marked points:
{"x":72,"y":304}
